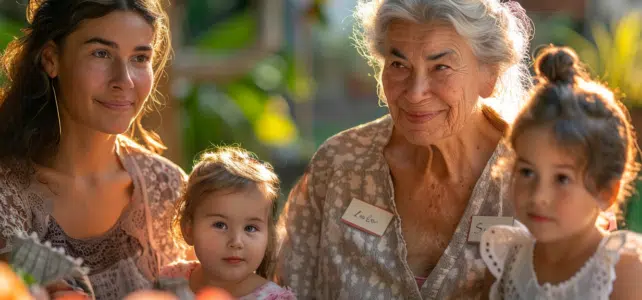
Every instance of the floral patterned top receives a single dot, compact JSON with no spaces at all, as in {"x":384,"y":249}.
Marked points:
{"x":268,"y":291}
{"x":128,"y":256}
{"x":321,"y":257}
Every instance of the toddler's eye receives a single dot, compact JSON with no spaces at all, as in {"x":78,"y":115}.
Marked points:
{"x":563,"y":179}
{"x":220,"y":225}
{"x":526,"y":172}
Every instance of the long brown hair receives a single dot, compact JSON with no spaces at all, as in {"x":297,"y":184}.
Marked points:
{"x":28,"y":117}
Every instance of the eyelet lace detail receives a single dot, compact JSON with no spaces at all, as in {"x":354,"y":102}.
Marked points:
{"x":508,"y":254}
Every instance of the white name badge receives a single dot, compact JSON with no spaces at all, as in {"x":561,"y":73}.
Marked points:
{"x":479,"y":224}
{"x":367,"y":217}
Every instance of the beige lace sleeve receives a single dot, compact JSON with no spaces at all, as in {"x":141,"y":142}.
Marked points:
{"x":300,"y":230}
{"x":164,"y":182}
{"x":164,"y":186}
{"x":14,"y":214}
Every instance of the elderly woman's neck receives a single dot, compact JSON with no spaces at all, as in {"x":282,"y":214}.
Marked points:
{"x":83,"y":151}
{"x":462,"y":155}
{"x":470,"y":149}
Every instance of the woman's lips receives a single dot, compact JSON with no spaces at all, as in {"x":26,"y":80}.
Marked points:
{"x":117,"y":106}
{"x":421,"y":117}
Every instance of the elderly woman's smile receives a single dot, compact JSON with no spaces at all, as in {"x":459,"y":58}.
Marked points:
{"x":420,"y":117}
{"x":431,"y":80}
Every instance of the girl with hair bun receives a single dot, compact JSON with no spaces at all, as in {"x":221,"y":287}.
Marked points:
{"x":572,"y":156}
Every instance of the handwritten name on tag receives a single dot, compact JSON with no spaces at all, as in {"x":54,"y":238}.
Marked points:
{"x":367,"y":217}
{"x":479,"y":224}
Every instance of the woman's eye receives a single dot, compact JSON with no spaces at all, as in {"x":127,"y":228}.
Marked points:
{"x":251,"y":228}
{"x":220,"y":225}
{"x":141,"y":58}
{"x":397,"y":65}
{"x":441,"y":67}
{"x":100,"y":54}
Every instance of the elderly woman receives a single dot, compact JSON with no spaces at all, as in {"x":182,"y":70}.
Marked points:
{"x":384,"y":210}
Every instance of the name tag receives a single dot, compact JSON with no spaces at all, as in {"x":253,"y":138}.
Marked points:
{"x":367,"y":217}
{"x":479,"y":224}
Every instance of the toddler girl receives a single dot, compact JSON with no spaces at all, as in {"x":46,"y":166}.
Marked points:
{"x":227,"y":215}
{"x":573,"y":154}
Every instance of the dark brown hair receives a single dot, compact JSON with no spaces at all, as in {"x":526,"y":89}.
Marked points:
{"x":585,"y":117}
{"x":28,"y":117}
{"x":230,"y":169}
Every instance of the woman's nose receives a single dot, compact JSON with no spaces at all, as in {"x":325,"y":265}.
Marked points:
{"x":420,"y":88}
{"x":121,"y":77}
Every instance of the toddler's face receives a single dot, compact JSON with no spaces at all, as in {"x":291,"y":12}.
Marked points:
{"x":230,"y":233}
{"x":548,"y":188}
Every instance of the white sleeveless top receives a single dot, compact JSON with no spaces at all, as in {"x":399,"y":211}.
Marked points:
{"x":508,"y":254}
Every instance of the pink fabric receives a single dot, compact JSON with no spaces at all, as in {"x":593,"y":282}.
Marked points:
{"x":268,"y":291}
{"x":420,"y":281}
{"x":180,"y":269}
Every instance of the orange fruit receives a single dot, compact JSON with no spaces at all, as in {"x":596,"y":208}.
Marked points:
{"x":11,"y":286}
{"x":211,"y":293}
{"x":150,"y":295}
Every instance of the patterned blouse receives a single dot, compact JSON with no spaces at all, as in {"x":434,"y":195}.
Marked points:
{"x":321,"y":257}
{"x":128,"y":256}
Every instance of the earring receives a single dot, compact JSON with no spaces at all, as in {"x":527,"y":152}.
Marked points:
{"x":57,"y":109}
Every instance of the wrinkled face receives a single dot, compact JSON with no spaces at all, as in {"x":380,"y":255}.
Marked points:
{"x":104,"y":71}
{"x":548,"y":188}
{"x":432,"y":80}
{"x":229,"y":233}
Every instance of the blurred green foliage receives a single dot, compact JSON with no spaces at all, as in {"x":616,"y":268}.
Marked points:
{"x":8,"y":30}
{"x":611,"y":52}
{"x":251,"y":110}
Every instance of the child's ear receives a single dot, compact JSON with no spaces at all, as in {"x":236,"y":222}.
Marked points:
{"x":608,"y":195}
{"x":186,"y":230}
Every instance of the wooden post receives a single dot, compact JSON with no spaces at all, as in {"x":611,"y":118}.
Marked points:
{"x":575,"y":8}
{"x":194,"y":66}
{"x":167,"y":122}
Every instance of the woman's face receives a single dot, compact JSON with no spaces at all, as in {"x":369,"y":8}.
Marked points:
{"x":104,"y":71}
{"x":432,"y":80}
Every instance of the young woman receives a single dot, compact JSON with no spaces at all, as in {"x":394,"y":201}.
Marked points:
{"x":78,"y":84}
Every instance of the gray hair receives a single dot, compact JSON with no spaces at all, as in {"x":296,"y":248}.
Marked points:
{"x":498,"y":34}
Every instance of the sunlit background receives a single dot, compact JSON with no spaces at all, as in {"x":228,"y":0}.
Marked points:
{"x":278,"y":77}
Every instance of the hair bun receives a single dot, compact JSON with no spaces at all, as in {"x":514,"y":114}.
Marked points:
{"x":558,"y":65}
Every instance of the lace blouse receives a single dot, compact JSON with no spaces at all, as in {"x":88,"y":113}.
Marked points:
{"x":321,"y":257}
{"x":128,"y":256}
{"x":508,"y":253}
